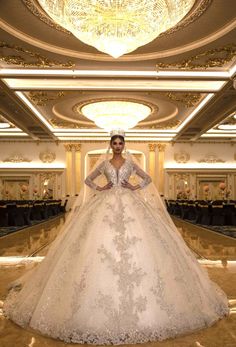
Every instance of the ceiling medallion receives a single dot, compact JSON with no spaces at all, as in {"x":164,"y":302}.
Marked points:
{"x":117,"y":27}
{"x":42,"y":98}
{"x":115,"y":114}
{"x":39,"y":60}
{"x":216,"y":57}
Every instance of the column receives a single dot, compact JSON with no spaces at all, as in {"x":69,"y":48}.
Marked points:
{"x":77,"y":167}
{"x":152,"y":161}
{"x":68,"y":148}
{"x":160,"y":167}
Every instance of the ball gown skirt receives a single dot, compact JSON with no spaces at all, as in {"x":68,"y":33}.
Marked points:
{"x":118,"y":273}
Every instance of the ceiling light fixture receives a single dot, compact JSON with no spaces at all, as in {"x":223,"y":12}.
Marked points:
{"x":117,"y":27}
{"x":116,"y":114}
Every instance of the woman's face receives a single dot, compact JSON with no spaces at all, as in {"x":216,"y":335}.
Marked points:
{"x":117,"y":145}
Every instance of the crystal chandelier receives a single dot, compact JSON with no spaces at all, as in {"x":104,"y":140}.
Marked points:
{"x":117,"y":27}
{"x":116,"y":114}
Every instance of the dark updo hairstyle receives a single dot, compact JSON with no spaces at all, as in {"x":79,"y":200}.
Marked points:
{"x":114,"y":137}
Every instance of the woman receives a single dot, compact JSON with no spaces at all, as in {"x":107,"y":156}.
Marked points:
{"x":120,"y":272}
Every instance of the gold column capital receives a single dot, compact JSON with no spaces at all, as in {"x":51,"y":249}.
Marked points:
{"x":68,"y":147}
{"x":161,"y":147}
{"x":77,"y":147}
{"x":72,"y":146}
{"x":152,"y":147}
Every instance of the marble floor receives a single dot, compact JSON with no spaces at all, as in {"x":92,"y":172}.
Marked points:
{"x":217,"y":253}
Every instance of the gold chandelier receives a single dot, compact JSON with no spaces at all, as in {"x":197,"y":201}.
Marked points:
{"x":117,"y":27}
{"x":116,"y":114}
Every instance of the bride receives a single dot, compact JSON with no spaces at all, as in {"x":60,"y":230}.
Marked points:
{"x":120,"y":271}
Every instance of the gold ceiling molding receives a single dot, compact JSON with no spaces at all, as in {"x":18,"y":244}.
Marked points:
{"x":39,"y":60}
{"x":211,"y":158}
{"x":40,"y":14}
{"x":229,"y":120}
{"x":195,"y":14}
{"x":42,"y":98}
{"x":16,"y":158}
{"x":216,"y":57}
{"x":163,"y":125}
{"x":199,"y":9}
{"x":59,"y":123}
{"x":188,"y":99}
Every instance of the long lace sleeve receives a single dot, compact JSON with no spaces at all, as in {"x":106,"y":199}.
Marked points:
{"x":94,"y":174}
{"x":146,"y":178}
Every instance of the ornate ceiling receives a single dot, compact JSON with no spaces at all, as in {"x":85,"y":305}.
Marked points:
{"x":185,"y":76}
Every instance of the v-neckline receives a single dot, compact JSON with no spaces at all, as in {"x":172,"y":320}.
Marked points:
{"x":117,"y":169}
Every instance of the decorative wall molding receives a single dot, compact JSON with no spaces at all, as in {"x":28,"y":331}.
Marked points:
{"x":181,"y":157}
{"x":39,"y":60}
{"x":47,"y":156}
{"x":216,"y":57}
{"x":211,"y":158}
{"x":16,"y":158}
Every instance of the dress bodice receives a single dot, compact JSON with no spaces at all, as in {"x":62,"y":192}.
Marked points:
{"x":117,"y":176}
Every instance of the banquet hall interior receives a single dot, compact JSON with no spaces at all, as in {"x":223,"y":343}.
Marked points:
{"x":173,"y":94}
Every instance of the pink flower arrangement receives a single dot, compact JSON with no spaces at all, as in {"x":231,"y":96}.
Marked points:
{"x":222,"y":185}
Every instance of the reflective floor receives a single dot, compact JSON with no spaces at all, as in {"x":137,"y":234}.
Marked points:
{"x":22,"y":250}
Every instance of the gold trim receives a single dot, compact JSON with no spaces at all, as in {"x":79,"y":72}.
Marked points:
{"x":59,"y":123}
{"x":216,"y":57}
{"x":152,"y":147}
{"x":161,"y":147}
{"x":40,"y":60}
{"x":36,"y":11}
{"x":162,"y":125}
{"x":16,"y":158}
{"x":42,"y":98}
{"x":188,"y":99}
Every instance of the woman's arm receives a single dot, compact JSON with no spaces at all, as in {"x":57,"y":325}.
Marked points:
{"x":94,"y":174}
{"x":146,"y":179}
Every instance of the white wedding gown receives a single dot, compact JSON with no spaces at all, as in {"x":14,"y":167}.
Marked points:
{"x":119,"y":273}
